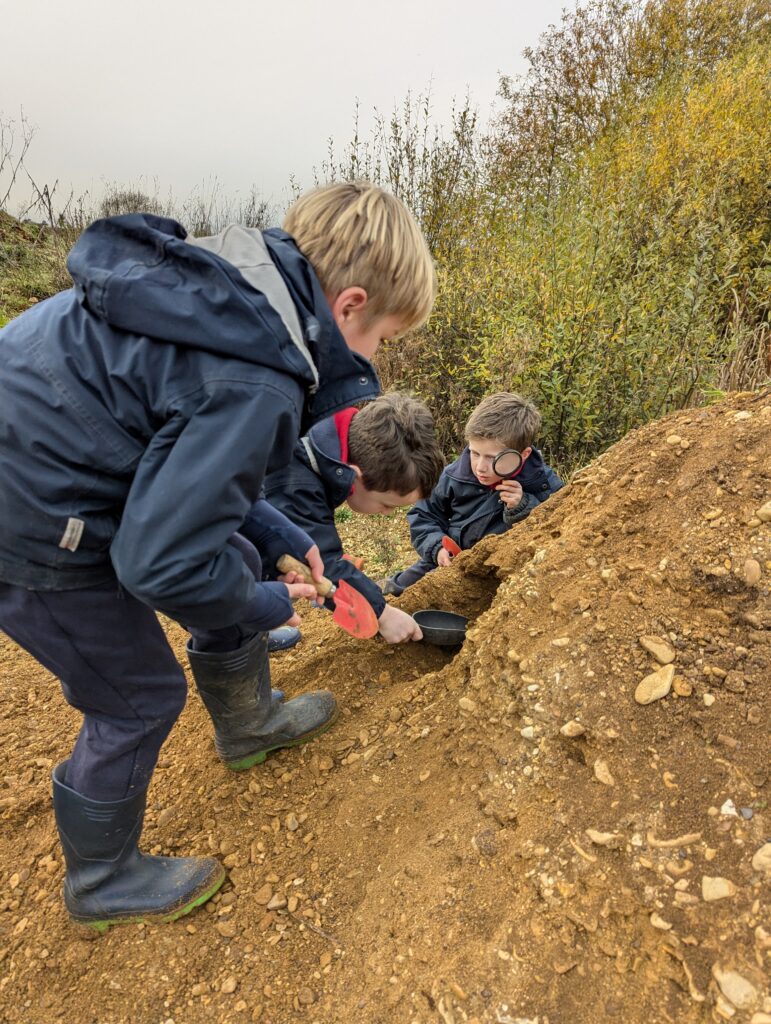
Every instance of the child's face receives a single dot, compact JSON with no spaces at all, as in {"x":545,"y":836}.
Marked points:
{"x":483,"y":451}
{"x":349,"y":309}
{"x":366,"y":340}
{"x":379,"y":503}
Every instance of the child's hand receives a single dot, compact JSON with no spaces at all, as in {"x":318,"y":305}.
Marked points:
{"x":397,"y":626}
{"x":444,"y":557}
{"x":510,"y":493}
{"x":316,"y":566}
{"x":315,"y":562}
{"x":300,"y":590}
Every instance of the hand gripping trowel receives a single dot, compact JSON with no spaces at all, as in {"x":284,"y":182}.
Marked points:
{"x":353,"y":612}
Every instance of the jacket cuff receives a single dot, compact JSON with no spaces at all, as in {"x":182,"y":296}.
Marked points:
{"x":433,"y":552}
{"x":519,"y":512}
{"x":270,"y":607}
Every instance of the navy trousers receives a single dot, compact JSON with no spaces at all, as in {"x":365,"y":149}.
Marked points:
{"x":116,"y":667}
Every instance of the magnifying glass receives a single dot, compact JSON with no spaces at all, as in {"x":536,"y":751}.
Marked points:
{"x":507,"y":463}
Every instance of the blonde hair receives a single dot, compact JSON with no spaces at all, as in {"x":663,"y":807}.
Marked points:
{"x":505,"y":417}
{"x":356,"y":234}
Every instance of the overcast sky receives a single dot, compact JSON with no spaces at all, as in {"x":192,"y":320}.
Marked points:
{"x":183,"y":92}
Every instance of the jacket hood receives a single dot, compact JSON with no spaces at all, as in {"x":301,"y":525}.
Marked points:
{"x":243,"y":294}
{"x":532,"y":477}
{"x":325,"y":458}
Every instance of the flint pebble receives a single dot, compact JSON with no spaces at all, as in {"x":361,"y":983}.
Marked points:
{"x":660,"y":649}
{"x":716,"y":888}
{"x":602,"y":773}
{"x":737,"y":990}
{"x":655,"y":686}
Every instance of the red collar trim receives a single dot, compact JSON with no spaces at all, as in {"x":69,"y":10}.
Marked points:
{"x":343,"y":425}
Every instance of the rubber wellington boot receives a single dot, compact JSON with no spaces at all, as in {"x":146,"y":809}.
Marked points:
{"x":283,"y":638}
{"x":248,"y":723}
{"x":108,"y":881}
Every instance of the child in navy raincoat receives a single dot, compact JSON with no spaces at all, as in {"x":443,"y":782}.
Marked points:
{"x":140,"y":411}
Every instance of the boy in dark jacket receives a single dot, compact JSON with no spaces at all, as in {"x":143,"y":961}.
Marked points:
{"x":377,"y":459}
{"x":497,"y":481}
{"x":139,"y":414}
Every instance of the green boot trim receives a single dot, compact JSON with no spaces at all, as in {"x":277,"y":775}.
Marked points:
{"x":102,"y":926}
{"x":261,"y":755}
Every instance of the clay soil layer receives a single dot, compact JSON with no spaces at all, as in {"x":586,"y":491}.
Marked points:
{"x":494,"y":834}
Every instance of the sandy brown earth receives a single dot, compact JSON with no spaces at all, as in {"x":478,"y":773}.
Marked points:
{"x":497,"y":834}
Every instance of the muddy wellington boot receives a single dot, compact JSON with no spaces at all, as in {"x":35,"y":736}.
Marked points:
{"x":248,"y":722}
{"x":108,"y":881}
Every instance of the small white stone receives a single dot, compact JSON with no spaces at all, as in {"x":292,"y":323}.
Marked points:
{"x":572,"y":729}
{"x":659,"y":922}
{"x":467,"y":704}
{"x":762,"y":859}
{"x":764,"y":513}
{"x":716,"y":888}
{"x":613,"y":840}
{"x":655,"y":686}
{"x":752,"y":572}
{"x":662,"y":650}
{"x":735,"y":988}
{"x":708,"y":699}
{"x":602,"y":773}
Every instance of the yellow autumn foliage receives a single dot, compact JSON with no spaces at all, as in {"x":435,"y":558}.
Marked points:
{"x":632,"y":275}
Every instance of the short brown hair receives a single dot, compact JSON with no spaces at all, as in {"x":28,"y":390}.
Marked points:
{"x":356,"y":234}
{"x":392,"y":441}
{"x":508,"y":418}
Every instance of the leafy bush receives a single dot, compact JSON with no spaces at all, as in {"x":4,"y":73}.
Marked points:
{"x":614,"y":260}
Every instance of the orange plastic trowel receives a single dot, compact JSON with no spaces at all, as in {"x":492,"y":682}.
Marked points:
{"x":449,"y":545}
{"x":353,"y":612}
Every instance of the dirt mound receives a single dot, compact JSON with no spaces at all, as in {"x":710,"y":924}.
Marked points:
{"x":500,"y":834}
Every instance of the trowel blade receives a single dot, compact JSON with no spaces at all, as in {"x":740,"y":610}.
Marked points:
{"x":353,"y":612}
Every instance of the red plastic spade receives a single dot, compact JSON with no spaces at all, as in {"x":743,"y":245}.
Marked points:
{"x":353,"y":612}
{"x":449,"y":545}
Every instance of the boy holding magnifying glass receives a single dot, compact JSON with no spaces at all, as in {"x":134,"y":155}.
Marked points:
{"x":498,"y":480}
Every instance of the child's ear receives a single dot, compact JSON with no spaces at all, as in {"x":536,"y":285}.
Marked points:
{"x":356,"y":470}
{"x":347,"y":303}
{"x":526,"y":453}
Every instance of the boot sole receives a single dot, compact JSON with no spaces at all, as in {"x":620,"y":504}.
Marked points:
{"x":260,"y":756}
{"x":174,"y":915}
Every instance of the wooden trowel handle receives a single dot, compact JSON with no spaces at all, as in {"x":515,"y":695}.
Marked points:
{"x":286,"y":563}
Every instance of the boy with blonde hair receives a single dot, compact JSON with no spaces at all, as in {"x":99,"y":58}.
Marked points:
{"x":139,"y":414}
{"x":498,"y":480}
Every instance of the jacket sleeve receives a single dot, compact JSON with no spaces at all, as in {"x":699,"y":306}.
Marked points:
{"x":300,"y":495}
{"x":530,"y":501}
{"x":274,"y":535}
{"x":429,"y":520}
{"x":192,"y":490}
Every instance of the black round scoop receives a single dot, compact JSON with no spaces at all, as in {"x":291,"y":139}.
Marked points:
{"x":445,"y":629}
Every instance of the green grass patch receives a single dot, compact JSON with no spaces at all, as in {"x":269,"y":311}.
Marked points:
{"x":32,"y":264}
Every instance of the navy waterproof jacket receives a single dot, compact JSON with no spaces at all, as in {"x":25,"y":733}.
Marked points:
{"x":462,"y":508}
{"x":308,"y":491}
{"x":141,"y":409}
